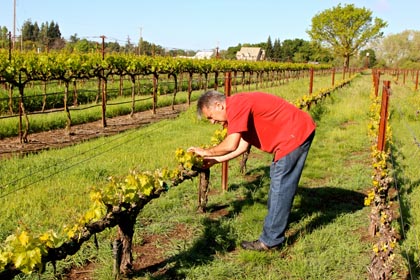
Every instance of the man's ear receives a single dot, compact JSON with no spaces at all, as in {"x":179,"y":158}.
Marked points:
{"x":219,"y":105}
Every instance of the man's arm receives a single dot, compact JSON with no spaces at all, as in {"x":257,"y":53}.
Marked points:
{"x":228,"y":145}
{"x":242,"y":148}
{"x":212,"y":160}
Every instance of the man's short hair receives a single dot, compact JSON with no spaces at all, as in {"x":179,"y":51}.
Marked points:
{"x":207,"y":100}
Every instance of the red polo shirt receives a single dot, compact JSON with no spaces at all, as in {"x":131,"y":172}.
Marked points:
{"x":268,"y":122}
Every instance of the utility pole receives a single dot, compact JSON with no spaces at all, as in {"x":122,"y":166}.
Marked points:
{"x":140,"y":40}
{"x":14,"y":24}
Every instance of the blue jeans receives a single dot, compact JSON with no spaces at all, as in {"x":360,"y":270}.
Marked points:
{"x":285,"y":174}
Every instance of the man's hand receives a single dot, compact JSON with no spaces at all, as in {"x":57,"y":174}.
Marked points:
{"x":197,"y":150}
{"x":207,"y":162}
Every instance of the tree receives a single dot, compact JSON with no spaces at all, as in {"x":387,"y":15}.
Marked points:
{"x":320,"y":54}
{"x":277,"y":50}
{"x":4,"y":36}
{"x":85,"y":46}
{"x":231,"y":52}
{"x":367,"y":58}
{"x":28,"y":31}
{"x":50,"y":35}
{"x":35,"y":31}
{"x":269,"y":49}
{"x":114,"y":47}
{"x":346,"y":29}
{"x":304,"y":52}
{"x":290,"y":48}
{"x":74,"y":38}
{"x":399,"y":50}
{"x":129,"y":47}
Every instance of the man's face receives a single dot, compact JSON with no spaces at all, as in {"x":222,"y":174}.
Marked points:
{"x":215,"y":113}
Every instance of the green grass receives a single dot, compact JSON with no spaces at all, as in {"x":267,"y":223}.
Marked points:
{"x":327,"y":237}
{"x":404,"y":109}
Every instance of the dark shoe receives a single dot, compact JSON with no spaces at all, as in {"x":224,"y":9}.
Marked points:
{"x":256,"y":246}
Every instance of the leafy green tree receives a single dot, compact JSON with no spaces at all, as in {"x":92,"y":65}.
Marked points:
{"x":231,"y":52}
{"x":114,"y":47}
{"x":399,"y":50}
{"x":4,"y":33}
{"x":85,"y":46}
{"x":304,"y":52}
{"x":4,"y":37}
{"x":151,"y":49}
{"x":346,"y":29}
{"x":290,"y":48}
{"x":319,"y":53}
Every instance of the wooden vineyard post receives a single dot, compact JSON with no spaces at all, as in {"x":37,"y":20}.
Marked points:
{"x":104,"y":86}
{"x":376,"y":77}
{"x":404,"y":74}
{"x":225,"y":165}
{"x":417,"y":80}
{"x":155,"y":92}
{"x":311,"y":80}
{"x":104,"y":89}
{"x":333,"y":77}
{"x":384,"y":115}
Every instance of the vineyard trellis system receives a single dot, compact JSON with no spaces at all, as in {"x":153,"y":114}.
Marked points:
{"x":23,"y":68}
{"x":114,"y":207}
{"x":118,"y":204}
{"x":383,"y":197}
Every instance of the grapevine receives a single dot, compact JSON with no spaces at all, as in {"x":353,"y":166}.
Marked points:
{"x":120,"y":198}
{"x":306,"y":101}
{"x":382,"y":207}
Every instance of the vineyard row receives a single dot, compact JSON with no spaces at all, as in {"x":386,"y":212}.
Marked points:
{"x":118,"y":204}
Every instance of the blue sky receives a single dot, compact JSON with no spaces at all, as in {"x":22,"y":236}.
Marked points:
{"x":195,"y":24}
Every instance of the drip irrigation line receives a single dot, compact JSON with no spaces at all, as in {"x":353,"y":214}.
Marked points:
{"x":75,"y":164}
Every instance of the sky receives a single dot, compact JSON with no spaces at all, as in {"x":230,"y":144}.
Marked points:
{"x":195,"y":24}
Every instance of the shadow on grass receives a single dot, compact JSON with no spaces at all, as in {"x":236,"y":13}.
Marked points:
{"x":328,"y":202}
{"x":218,"y":237}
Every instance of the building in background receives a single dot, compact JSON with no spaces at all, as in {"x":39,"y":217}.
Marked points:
{"x":250,"y":53}
{"x":204,"y":55}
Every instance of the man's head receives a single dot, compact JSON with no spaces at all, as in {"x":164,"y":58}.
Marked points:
{"x":212,"y":106}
